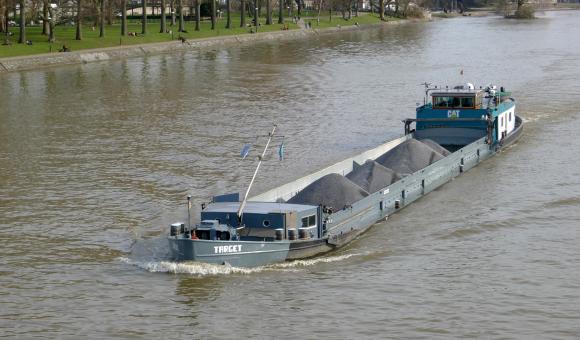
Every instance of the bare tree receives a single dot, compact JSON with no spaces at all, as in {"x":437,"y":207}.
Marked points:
{"x":172,"y":7}
{"x":242,"y":13}
{"x":45,"y":24}
{"x":382,"y":9}
{"x":197,"y":14}
{"x":163,"y":23}
{"x":269,"y":12}
{"x":180,"y":9}
{"x":213,"y":18}
{"x":123,"y":17}
{"x":280,"y":11}
{"x":144,"y":17}
{"x":102,"y":19}
{"x":79,"y":35}
{"x":22,"y":36}
{"x":51,"y":27}
{"x":228,"y":14}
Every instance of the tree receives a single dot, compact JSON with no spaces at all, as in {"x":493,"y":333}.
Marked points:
{"x":144,"y":17}
{"x":45,"y":24}
{"x":79,"y":35}
{"x":163,"y":24}
{"x":299,"y":5}
{"x":180,"y":9}
{"x":22,"y":37}
{"x":242,"y":13}
{"x":197,"y":14}
{"x":269,"y":12}
{"x":213,"y":18}
{"x":51,"y":26}
{"x":123,"y":17}
{"x":280,"y":11}
{"x":382,"y":9}
{"x":228,"y":14}
{"x":102,"y":19}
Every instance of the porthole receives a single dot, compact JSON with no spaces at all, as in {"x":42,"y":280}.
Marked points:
{"x":266,"y":223}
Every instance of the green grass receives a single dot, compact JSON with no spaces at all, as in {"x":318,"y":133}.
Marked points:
{"x":65,"y":35}
{"x":362,"y":19}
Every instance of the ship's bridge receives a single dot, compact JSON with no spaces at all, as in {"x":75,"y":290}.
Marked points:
{"x":459,"y":116}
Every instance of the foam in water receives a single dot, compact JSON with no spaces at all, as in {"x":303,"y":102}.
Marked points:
{"x":206,"y":269}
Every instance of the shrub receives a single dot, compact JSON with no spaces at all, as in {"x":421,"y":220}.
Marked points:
{"x":527,"y":11}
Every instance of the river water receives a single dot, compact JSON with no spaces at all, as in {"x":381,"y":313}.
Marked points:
{"x":96,"y":161}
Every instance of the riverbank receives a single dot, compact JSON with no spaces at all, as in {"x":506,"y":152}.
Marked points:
{"x":120,"y":52}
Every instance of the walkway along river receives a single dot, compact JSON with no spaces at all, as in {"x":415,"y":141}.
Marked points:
{"x":96,"y":160}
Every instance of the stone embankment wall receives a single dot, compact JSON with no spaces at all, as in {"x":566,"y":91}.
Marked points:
{"x":121,"y":52}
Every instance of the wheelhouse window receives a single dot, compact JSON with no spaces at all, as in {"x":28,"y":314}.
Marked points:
{"x":308,"y":221}
{"x":445,"y":102}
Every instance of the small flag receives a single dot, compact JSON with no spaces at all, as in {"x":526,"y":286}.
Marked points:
{"x":245,"y":150}
{"x":281,"y":151}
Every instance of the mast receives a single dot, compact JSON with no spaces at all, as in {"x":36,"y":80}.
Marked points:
{"x":260,"y":159}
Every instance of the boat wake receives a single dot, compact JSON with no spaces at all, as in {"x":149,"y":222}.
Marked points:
{"x":153,"y":256}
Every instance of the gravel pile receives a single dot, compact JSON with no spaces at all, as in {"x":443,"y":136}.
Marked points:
{"x":409,"y":157}
{"x":332,"y":190}
{"x":372,"y":176}
{"x":435,"y":146}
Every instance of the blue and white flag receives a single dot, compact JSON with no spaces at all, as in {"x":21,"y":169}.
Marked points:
{"x":281,"y":151}
{"x":245,"y":150}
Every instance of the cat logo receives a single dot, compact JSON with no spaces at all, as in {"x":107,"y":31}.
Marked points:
{"x":452,"y":114}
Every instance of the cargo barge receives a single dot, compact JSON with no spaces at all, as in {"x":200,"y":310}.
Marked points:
{"x":454,"y":130}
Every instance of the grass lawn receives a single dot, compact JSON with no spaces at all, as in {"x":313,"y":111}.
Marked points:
{"x":65,"y":35}
{"x":325,"y":21}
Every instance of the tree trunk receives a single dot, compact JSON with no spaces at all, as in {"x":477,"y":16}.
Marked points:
{"x":269,"y":10}
{"x":22,"y":37}
{"x":180,"y":9}
{"x":102,"y":20}
{"x":242,"y":13}
{"x":280,"y":11}
{"x":162,"y":27}
{"x":123,"y":17}
{"x":382,"y":9}
{"x":51,"y":25}
{"x":299,"y":5}
{"x":172,"y":7}
{"x":144,"y":17}
{"x":5,"y":27}
{"x":213,"y":18}
{"x":45,"y":22}
{"x":79,"y":35}
{"x":350,"y":10}
{"x":109,"y":13}
{"x":256,"y":18}
{"x":228,"y":14}
{"x":197,"y":14}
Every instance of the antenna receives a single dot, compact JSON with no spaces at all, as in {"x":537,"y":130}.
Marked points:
{"x":260,"y":159}
{"x":427,"y":85}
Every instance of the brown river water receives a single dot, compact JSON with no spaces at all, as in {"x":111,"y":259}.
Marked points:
{"x":96,"y":161}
